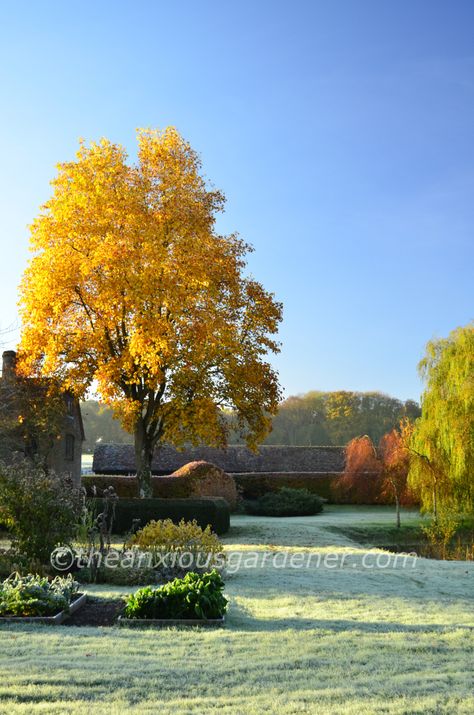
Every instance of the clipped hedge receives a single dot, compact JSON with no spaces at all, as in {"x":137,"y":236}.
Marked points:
{"x":250,"y":485}
{"x":127,"y":487}
{"x":253,"y":485}
{"x":193,"y":480}
{"x":207,"y":480}
{"x":206,"y":511}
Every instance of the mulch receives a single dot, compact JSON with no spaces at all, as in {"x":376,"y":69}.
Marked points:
{"x":96,"y":612}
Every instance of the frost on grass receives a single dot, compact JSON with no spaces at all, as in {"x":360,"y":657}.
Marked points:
{"x":347,"y":640}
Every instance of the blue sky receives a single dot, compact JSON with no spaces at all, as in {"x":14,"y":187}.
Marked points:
{"x":341,"y":133}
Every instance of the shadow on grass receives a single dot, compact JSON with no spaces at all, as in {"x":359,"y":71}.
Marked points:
{"x":240,"y":620}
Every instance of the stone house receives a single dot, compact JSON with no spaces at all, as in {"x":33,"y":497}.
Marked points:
{"x":58,"y":441}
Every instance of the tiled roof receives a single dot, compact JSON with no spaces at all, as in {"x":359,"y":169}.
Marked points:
{"x":120,"y":459}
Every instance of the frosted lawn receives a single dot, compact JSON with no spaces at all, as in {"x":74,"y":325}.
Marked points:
{"x":348,"y":640}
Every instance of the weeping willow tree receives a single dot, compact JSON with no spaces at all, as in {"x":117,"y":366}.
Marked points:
{"x":442,"y":444}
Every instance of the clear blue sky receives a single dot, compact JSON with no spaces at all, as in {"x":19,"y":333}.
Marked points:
{"x":341,"y":133}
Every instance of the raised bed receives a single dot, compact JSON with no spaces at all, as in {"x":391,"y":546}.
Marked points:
{"x":56,"y":620}
{"x":168,"y":622}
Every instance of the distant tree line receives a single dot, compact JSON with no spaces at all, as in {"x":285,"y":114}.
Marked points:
{"x":334,"y":418}
{"x":101,"y":426}
{"x":316,"y":418}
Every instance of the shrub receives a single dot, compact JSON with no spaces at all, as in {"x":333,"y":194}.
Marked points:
{"x":158,"y":553}
{"x":12,"y":561}
{"x":193,"y":596}
{"x":287,"y":502}
{"x":40,"y":509}
{"x":441,"y":531}
{"x":35,"y":595}
{"x":169,"y":542}
{"x":206,"y":511}
{"x":253,"y":485}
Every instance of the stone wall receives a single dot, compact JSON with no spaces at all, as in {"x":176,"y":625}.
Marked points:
{"x":64,"y":456}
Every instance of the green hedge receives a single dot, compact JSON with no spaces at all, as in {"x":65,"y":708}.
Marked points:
{"x":208,"y":510}
{"x":286,"y":502}
{"x":254,"y":485}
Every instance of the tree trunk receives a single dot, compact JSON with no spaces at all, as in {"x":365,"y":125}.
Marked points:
{"x":397,"y":510}
{"x":144,"y":449}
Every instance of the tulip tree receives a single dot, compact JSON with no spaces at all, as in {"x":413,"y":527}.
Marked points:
{"x":131,"y":290}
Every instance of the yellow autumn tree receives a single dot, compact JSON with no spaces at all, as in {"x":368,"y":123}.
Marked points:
{"x":131,"y":288}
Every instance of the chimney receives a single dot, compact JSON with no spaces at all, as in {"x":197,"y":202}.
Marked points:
{"x":9,"y":364}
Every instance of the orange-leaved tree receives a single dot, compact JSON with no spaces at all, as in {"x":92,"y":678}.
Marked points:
{"x":379,"y":474}
{"x":394,"y":455}
{"x":361,"y":479}
{"x":132,"y":290}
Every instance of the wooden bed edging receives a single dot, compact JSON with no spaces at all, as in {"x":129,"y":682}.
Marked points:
{"x":50,"y":620}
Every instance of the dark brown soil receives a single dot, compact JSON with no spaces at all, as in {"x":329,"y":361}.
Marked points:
{"x":96,"y":612}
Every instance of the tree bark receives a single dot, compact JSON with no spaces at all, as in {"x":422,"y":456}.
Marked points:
{"x":397,"y":510}
{"x":144,"y":448}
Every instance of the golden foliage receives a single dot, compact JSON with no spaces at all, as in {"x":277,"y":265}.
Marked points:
{"x":186,"y":537}
{"x":131,"y":287}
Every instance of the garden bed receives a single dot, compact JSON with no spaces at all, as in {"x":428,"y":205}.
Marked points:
{"x":56,"y":620}
{"x":97,"y":612}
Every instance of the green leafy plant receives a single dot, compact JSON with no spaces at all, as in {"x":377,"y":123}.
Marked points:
{"x":194,"y":596}
{"x":34,"y":595}
{"x":286,"y":502}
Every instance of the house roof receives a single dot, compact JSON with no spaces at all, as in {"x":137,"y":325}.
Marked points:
{"x":120,"y":459}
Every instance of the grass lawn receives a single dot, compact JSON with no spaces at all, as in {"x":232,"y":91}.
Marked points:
{"x":382,"y":532}
{"x":355,"y":638}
